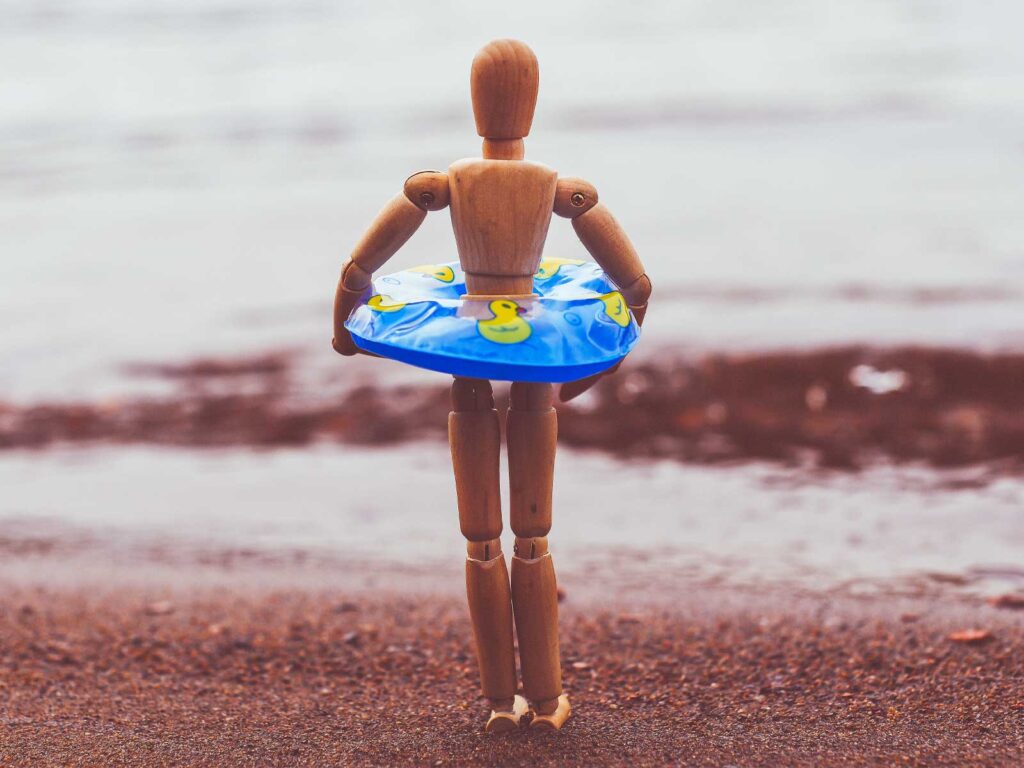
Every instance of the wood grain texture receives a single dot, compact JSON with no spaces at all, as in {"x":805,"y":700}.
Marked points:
{"x":498,"y":285}
{"x":531,"y":439}
{"x":531,"y":547}
{"x":483,"y":550}
{"x":428,"y":190}
{"x":351,"y":286}
{"x":535,"y":605}
{"x":474,"y":436}
{"x":551,"y":715}
{"x":503,"y":149}
{"x":531,"y":432}
{"x":574,"y":197}
{"x":530,"y":396}
{"x":471,"y":394}
{"x":506,"y":715}
{"x":639,"y":313}
{"x":607,"y":242}
{"x":504,"y":80}
{"x":500,"y":212}
{"x":475,"y":444}
{"x":389,"y":231}
{"x":490,"y":611}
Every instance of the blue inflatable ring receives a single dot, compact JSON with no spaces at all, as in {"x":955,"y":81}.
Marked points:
{"x":576,"y":325}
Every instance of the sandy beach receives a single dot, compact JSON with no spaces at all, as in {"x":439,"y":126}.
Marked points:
{"x":237,"y":676}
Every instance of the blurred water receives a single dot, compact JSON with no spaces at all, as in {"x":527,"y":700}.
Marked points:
{"x":182,"y":178}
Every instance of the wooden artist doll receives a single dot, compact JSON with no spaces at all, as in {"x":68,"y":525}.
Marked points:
{"x":505,"y":312}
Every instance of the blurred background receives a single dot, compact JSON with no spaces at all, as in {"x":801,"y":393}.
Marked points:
{"x":827,"y":196}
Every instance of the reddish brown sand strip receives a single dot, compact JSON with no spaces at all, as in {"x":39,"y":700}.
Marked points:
{"x":837,"y":407}
{"x":291,"y":679}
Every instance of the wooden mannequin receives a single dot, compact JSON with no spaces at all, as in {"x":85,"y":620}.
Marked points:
{"x":501,"y":207}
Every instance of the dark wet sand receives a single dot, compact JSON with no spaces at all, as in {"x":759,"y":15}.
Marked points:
{"x":838,"y":407}
{"x":233,"y":677}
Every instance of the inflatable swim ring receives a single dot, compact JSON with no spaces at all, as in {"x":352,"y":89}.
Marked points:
{"x":575,"y":325}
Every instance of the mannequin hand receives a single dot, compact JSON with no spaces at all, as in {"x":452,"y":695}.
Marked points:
{"x":343,"y":344}
{"x":572,"y":389}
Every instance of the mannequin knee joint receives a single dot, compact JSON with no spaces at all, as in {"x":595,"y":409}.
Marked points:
{"x":531,"y":548}
{"x":484,"y":550}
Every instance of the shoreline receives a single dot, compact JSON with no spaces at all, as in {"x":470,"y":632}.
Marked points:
{"x":647,"y":529}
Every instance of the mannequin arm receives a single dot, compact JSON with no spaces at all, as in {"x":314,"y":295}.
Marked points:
{"x":393,"y":226}
{"x":606,"y":241}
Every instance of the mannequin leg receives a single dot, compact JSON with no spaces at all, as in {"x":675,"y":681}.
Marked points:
{"x":531,"y":432}
{"x":476,"y":442}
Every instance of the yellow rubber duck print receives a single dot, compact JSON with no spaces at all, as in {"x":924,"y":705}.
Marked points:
{"x":383,"y":303}
{"x":506,"y":327}
{"x":442,"y":273}
{"x":615,"y":307}
{"x":549,"y":267}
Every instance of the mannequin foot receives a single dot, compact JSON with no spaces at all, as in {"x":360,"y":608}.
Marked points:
{"x":551,"y":714}
{"x":506,"y":715}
